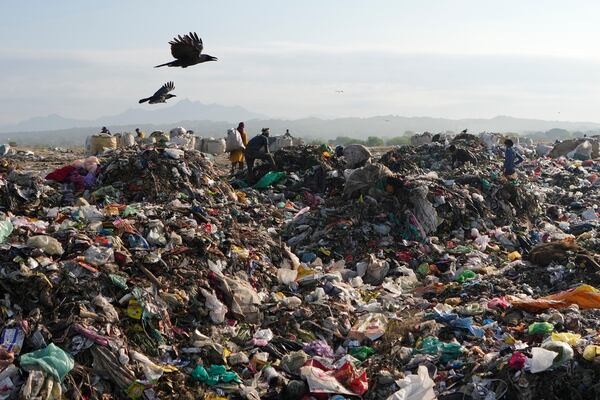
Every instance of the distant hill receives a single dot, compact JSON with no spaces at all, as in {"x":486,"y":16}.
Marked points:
{"x":183,"y":110}
{"x":213,"y":120}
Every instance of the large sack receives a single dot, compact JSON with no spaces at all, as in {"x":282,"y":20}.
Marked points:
{"x":418,"y":140}
{"x":356,"y":155}
{"x":582,"y":152}
{"x":281,"y":142}
{"x":99,"y":143}
{"x":213,"y":146}
{"x":364,"y":178}
{"x":126,"y":140}
{"x":565,"y":147}
{"x":234,"y":141}
{"x":178,"y":131}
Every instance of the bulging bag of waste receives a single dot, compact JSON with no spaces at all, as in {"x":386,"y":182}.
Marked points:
{"x":126,"y":140}
{"x":48,"y":244}
{"x":234,"y":141}
{"x":281,"y":142}
{"x":178,"y":131}
{"x":582,"y":152}
{"x":356,"y":155}
{"x":364,"y":178}
{"x":213,"y":146}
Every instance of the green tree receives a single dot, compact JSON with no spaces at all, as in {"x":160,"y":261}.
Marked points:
{"x":397,"y":141}
{"x":373,"y":141}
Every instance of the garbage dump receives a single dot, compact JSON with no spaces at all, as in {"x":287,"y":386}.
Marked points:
{"x":150,"y":273}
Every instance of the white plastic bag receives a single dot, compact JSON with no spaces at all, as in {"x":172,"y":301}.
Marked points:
{"x":217,"y":309}
{"x":234,"y":141}
{"x":415,"y":387}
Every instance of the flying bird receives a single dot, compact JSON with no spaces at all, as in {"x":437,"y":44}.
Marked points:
{"x":161,"y":95}
{"x":339,"y":91}
{"x":188,"y":51}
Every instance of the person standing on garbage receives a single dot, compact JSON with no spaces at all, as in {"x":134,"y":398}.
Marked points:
{"x":105,"y":131}
{"x":236,"y":157}
{"x":511,"y":159}
{"x":139,"y":134}
{"x":258,"y":149}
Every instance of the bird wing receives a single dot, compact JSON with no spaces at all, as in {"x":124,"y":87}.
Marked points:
{"x":166,"y":88}
{"x":187,"y":47}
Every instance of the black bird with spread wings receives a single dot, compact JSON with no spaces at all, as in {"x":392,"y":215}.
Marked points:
{"x":161,"y":95}
{"x":188,"y":51}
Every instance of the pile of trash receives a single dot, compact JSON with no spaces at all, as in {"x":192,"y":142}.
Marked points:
{"x":464,"y":149}
{"x":155,"y":175}
{"x":422,"y":274}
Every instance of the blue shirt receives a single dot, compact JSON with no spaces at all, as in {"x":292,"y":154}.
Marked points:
{"x":511,"y":160}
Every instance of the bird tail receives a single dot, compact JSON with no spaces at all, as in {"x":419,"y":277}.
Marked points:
{"x":162,"y":65}
{"x":144,"y":100}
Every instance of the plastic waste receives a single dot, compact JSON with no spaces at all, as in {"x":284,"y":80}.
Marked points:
{"x":541,"y":359}
{"x":6,"y":228}
{"x":466,"y":275}
{"x":152,"y":372}
{"x":415,"y":387}
{"x":585,"y":296}
{"x":269,"y":179}
{"x":47,"y":244}
{"x":448,"y":351}
{"x":567,"y":337}
{"x":214,"y":375}
{"x":563,"y":350}
{"x":517,"y":360}
{"x":217,"y":309}
{"x":52,"y":359}
{"x":540,"y":328}
{"x":591,"y":351}
{"x":98,"y":256}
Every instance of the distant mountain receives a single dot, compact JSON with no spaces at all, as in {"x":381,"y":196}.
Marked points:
{"x":213,"y":120}
{"x":183,"y":110}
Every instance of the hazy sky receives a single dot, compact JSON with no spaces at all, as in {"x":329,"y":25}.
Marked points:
{"x":457,"y":59}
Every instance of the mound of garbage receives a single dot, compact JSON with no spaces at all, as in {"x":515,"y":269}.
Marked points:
{"x":155,"y":175}
{"x":420,"y":274}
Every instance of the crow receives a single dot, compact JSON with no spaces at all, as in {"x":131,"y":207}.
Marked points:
{"x":187,"y":51}
{"x":161,"y":95}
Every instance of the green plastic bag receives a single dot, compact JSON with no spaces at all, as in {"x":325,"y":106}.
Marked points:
{"x":362,"y":353}
{"x":51,"y":359}
{"x":447,"y":351}
{"x":269,"y":179}
{"x":214,"y":375}
{"x":466,"y":275}
{"x":538,"y":328}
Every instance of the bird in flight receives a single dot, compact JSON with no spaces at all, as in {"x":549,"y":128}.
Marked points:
{"x":339,"y":91}
{"x":187,"y":51}
{"x":161,"y":95}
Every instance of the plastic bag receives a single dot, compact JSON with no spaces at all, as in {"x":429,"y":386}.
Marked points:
{"x":51,"y":359}
{"x":98,"y":256}
{"x":234,"y":141}
{"x":269,"y":179}
{"x":6,"y":229}
{"x":585,"y":296}
{"x":541,"y":359}
{"x":48,"y":244}
{"x":415,"y":387}
{"x":217,"y":309}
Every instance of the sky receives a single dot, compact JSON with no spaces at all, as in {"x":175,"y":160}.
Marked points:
{"x":444,"y":58}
